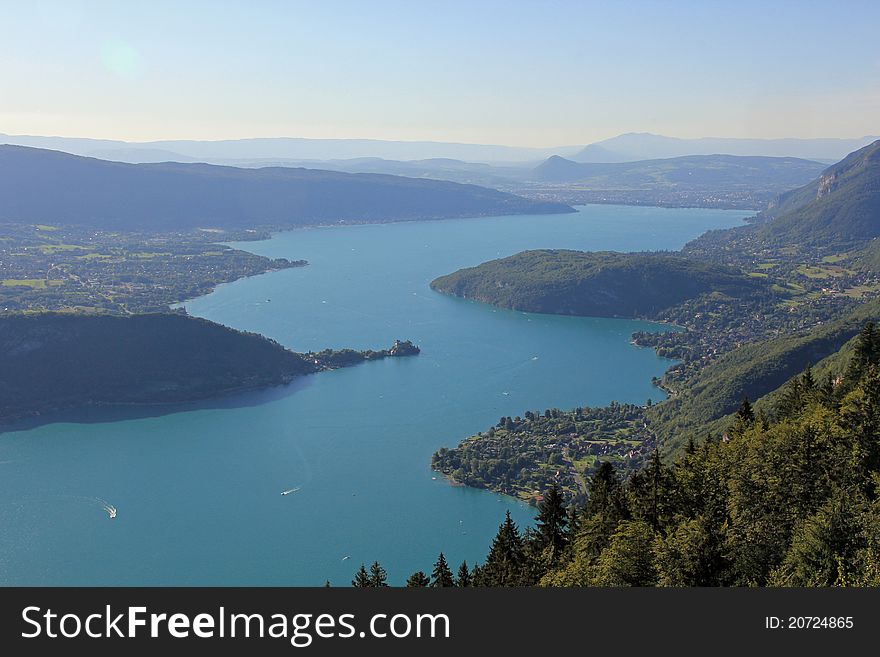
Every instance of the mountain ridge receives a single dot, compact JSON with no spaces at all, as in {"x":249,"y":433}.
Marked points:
{"x":634,"y":146}
{"x":42,"y":186}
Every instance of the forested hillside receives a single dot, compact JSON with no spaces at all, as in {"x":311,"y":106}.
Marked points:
{"x":57,"y":361}
{"x":40,"y":186}
{"x":600,"y":284}
{"x":787,"y":498}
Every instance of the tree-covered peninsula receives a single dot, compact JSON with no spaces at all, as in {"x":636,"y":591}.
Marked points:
{"x":56,"y":361}
{"x":602,"y":284}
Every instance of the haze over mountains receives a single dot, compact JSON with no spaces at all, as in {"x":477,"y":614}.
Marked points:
{"x":646,"y":146}
{"x":276,"y":150}
{"x":42,"y":186}
{"x":730,"y":171}
{"x":229,"y":151}
{"x":838,"y":210}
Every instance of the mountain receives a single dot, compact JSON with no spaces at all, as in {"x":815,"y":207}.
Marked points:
{"x":41,"y":186}
{"x":752,"y":370}
{"x":841,"y":207}
{"x":289,"y":148}
{"x":722,"y":172}
{"x":438,"y":168}
{"x":54,"y":361}
{"x":645,"y":146}
{"x":603,"y":284}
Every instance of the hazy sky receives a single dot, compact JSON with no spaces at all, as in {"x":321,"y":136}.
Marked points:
{"x":513,"y":72}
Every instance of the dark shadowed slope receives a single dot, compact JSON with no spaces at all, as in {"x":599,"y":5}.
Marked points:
{"x":43,"y":186}
{"x":56,"y":361}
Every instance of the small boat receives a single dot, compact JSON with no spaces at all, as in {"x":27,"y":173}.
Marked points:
{"x":111,"y":512}
{"x":290,"y":490}
{"x":346,"y":558}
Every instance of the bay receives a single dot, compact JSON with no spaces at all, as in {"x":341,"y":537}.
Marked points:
{"x":198,"y":490}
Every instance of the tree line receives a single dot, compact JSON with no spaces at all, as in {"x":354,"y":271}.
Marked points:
{"x":787,"y":497}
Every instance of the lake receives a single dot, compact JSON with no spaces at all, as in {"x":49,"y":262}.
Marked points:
{"x":198,"y":490}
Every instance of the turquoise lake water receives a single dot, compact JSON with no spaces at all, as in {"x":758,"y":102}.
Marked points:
{"x":198,"y":490}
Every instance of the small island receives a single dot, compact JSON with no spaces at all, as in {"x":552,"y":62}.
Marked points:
{"x":331,"y":359}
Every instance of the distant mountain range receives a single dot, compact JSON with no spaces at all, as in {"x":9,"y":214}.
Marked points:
{"x":646,"y":146}
{"x":691,"y":171}
{"x":281,"y":148}
{"x":43,"y":186}
{"x":288,"y":151}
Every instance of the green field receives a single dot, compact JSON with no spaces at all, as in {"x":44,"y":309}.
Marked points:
{"x":35,"y":283}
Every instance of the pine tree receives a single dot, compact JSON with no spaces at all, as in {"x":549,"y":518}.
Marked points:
{"x":808,"y":383}
{"x":504,"y":564}
{"x":361,"y":578}
{"x":792,"y":401}
{"x":574,"y":522}
{"x":378,"y":576}
{"x":552,"y":521}
{"x":464,"y":575}
{"x":744,"y":418}
{"x":604,"y":493}
{"x":418,"y":580}
{"x":442,"y":575}
{"x":827,"y":394}
{"x":867,"y":352}
{"x":745,"y":412}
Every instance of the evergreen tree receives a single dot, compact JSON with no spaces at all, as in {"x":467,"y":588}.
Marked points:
{"x":464,"y":575}
{"x":825,"y":547}
{"x":649,"y":493}
{"x":361,"y":578}
{"x":629,"y":558}
{"x":504,"y":564}
{"x":552,"y":522}
{"x":827,"y":393}
{"x":418,"y":580}
{"x":442,"y":575}
{"x":378,"y":576}
{"x":867,"y":352}
{"x":744,"y":418}
{"x":808,"y":383}
{"x":604,"y":492}
{"x":792,"y":400}
{"x":574,"y":523}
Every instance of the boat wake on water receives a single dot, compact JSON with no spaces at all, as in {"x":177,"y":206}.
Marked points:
{"x":291,"y":490}
{"x":109,"y":508}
